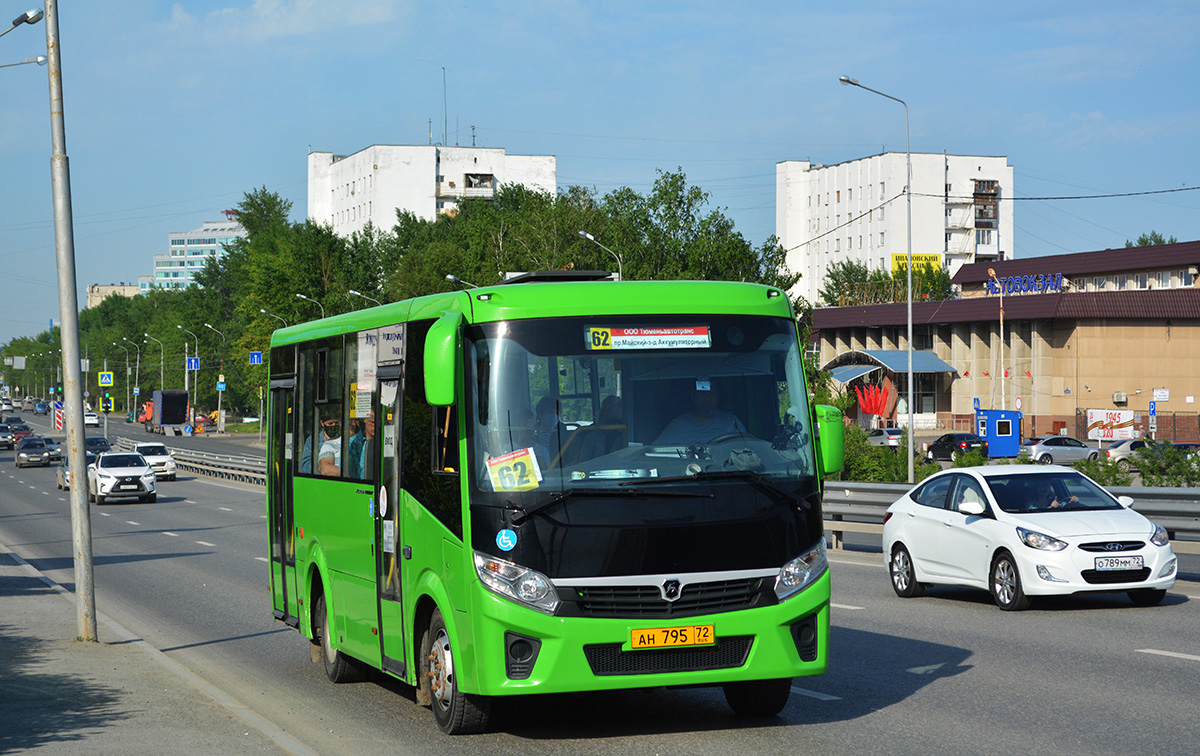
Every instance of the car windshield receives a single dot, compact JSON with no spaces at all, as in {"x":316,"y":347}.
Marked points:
{"x":152,"y":450}
{"x":122,"y":460}
{"x":1049,"y":492}
{"x":18,"y":427}
{"x":33,"y":443}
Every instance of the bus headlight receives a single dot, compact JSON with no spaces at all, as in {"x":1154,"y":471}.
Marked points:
{"x":525,"y":586}
{"x":801,"y":571}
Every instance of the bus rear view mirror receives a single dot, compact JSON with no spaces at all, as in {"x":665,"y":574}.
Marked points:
{"x":832,"y":443}
{"x":442,"y":348}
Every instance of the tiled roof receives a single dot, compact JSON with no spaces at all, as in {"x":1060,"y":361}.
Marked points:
{"x":1126,"y":259}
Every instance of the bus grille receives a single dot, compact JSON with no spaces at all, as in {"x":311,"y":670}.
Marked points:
{"x":627,"y":601}
{"x":609,"y":659}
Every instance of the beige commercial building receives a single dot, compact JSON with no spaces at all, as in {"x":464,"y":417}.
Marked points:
{"x":1109,"y":330}
{"x":97,"y":293}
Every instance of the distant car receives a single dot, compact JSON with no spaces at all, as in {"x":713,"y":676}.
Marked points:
{"x":120,"y":474}
{"x":41,"y":408}
{"x":10,"y":419}
{"x":55,"y":452}
{"x":951,"y":445}
{"x":6,"y":437}
{"x":62,"y":475}
{"x":1187,"y":448}
{"x":32,"y":451}
{"x":96,"y":444}
{"x":6,"y":405}
{"x":1123,"y":452}
{"x":885,"y":437}
{"x":1023,"y":530}
{"x":159,"y":458}
{"x":91,"y":419}
{"x":1048,"y":450}
{"x":20,"y":430}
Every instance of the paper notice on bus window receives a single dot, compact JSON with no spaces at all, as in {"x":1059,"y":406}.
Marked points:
{"x":516,"y":471}
{"x":649,"y":337}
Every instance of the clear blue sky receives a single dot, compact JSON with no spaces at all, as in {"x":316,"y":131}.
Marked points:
{"x":175,"y":109}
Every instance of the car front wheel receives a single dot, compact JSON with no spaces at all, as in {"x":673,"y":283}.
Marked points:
{"x":1046,"y":459}
{"x":1005,"y":584}
{"x":1123,"y":465}
{"x":904,"y":576}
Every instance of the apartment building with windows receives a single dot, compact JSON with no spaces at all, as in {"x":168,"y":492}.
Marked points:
{"x":857,"y":211}
{"x":189,"y":251}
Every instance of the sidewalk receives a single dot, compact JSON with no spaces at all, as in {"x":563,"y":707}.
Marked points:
{"x":118,"y":696}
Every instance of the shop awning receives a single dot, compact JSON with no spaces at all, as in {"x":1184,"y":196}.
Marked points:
{"x":847,"y":373}
{"x":896,"y":360}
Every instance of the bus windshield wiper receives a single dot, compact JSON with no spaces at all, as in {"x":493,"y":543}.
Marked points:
{"x":759,"y":480}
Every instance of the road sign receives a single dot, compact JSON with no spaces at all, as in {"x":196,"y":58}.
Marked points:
{"x":256,"y":358}
{"x":1153,"y":417}
{"x":220,"y":385}
{"x":193,"y":363}
{"x":1018,"y":404}
{"x":106,"y":378}
{"x":137,"y":390}
{"x":976,"y":404}
{"x":1153,"y":408}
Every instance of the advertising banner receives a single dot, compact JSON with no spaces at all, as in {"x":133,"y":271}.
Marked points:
{"x":1109,"y":425}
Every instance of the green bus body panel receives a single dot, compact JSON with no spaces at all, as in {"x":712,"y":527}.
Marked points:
{"x":336,"y":518}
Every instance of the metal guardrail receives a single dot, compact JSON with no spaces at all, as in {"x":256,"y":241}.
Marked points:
{"x":223,"y":466}
{"x":852,"y":507}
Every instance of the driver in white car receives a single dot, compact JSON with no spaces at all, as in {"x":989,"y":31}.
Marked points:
{"x":704,"y":422}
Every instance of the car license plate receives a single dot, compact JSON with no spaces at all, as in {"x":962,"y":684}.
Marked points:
{"x":1118,"y":563}
{"x":128,"y":487}
{"x":669,"y":637}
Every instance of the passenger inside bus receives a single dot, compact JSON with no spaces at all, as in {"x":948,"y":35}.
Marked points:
{"x":704,"y":421}
{"x":361,"y":447}
{"x":329,"y":458}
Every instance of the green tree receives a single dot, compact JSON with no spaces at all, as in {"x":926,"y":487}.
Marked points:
{"x":1152,"y":239}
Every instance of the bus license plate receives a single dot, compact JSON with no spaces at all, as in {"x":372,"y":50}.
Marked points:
{"x":1118,"y":563}
{"x":669,"y":637}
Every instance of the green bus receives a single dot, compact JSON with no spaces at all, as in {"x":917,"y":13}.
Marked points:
{"x":559,"y":483}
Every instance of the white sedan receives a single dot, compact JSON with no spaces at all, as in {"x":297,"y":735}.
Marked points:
{"x":91,"y":420}
{"x":1024,"y":530}
{"x":117,"y":473}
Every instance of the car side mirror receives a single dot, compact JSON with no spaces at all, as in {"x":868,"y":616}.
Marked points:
{"x":1126,"y":501}
{"x":972,"y":508}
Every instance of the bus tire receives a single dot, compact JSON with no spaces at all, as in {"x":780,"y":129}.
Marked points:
{"x":456,"y":712}
{"x":758,"y":698}
{"x":338,"y":667}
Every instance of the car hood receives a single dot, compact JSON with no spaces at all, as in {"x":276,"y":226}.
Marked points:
{"x":124,"y":471}
{"x":1104,"y":522}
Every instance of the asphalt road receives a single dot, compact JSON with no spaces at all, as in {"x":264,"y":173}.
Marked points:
{"x":947,"y":673}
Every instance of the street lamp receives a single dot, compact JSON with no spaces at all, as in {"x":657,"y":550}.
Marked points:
{"x":589,"y":237}
{"x":318,"y":304}
{"x":185,"y":370}
{"x":221,"y":394}
{"x":39,"y":59}
{"x":126,"y":376}
{"x":364,"y":296}
{"x":137,"y":371}
{"x":455,"y":279}
{"x":1003,"y":388}
{"x":281,"y":320}
{"x":162,"y":362}
{"x":28,"y":17}
{"x":847,"y":81}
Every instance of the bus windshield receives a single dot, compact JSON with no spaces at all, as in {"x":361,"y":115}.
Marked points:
{"x":606,"y":421}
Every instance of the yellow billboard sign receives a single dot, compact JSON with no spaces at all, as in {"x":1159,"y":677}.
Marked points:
{"x":900,"y":259}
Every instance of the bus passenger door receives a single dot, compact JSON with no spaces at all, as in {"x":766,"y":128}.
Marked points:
{"x":387,"y":522}
{"x":281,"y":462}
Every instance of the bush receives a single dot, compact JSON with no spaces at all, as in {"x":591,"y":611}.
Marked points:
{"x":878,"y":464}
{"x":1104,"y":471}
{"x":973,"y":458}
{"x":1161,"y":464}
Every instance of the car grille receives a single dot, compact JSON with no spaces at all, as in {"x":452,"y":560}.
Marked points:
{"x":1113,"y":547}
{"x":609,"y":659}
{"x":647,"y":601}
{"x":1106,"y":577}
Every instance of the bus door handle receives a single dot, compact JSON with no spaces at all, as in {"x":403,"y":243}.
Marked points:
{"x":406,"y":551}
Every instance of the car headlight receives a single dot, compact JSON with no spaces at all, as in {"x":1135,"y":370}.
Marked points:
{"x":1160,"y":537}
{"x":1040,"y":541}
{"x":105,"y":476}
{"x":523,"y":585}
{"x":801,"y":571}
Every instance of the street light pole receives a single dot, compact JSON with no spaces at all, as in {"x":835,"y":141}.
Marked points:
{"x":221,"y":394}
{"x":1003,"y":369}
{"x":594,"y":240}
{"x":125,"y":378}
{"x":364,"y":296}
{"x":137,"y":371}
{"x":318,"y":304}
{"x":273,"y":315}
{"x":40,"y":60}
{"x":162,"y":362}
{"x":197,"y":338}
{"x":846,"y":80}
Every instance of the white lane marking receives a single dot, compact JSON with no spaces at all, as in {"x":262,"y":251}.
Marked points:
{"x":815,"y":694}
{"x":206,"y":543}
{"x":131,"y":522}
{"x":33,"y":487}
{"x":173,"y":535}
{"x":260,"y":559}
{"x":45,"y":493}
{"x":104,"y":514}
{"x":846,"y":606}
{"x":1189,"y":657}
{"x":225,"y":509}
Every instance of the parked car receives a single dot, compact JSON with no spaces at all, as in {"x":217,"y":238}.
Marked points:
{"x":91,"y":419}
{"x":951,"y":445}
{"x":62,"y":475}
{"x":20,"y":430}
{"x":159,"y":458}
{"x":120,"y":474}
{"x":32,"y":451}
{"x":6,"y":437}
{"x":41,"y":408}
{"x":1022,"y":530}
{"x":1123,"y":452}
{"x":889,"y":437}
{"x":96,"y":444}
{"x":1047,"y":450}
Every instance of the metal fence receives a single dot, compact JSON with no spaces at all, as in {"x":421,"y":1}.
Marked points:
{"x":226,"y":467}
{"x":1172,"y":425}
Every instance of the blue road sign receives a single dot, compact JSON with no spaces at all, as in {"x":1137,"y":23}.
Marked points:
{"x":193,"y":363}
{"x":256,"y":358}
{"x":976,"y":404}
{"x":1153,"y":408}
{"x":137,"y":390}
{"x":220,"y":385}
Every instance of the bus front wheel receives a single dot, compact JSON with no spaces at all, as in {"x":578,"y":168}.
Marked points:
{"x":758,"y":698}
{"x":338,"y":667}
{"x":456,"y":712}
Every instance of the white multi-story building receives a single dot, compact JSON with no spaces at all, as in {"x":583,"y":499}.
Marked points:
{"x":348,"y":191}
{"x":857,"y":211}
{"x":189,"y":251}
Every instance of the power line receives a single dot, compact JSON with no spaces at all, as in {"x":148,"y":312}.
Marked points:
{"x":1077,"y":197}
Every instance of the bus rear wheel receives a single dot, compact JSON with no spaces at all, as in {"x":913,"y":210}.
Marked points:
{"x":758,"y":698}
{"x":456,"y":712}
{"x":338,"y":667}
